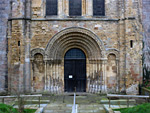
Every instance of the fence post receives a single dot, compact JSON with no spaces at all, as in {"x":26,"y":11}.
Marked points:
{"x":127,"y":102}
{"x":39,"y":102}
{"x":3,"y":101}
{"x":109,"y":101}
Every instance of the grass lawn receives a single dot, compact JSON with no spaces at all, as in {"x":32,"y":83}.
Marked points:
{"x":9,"y":109}
{"x":142,"y":108}
{"x":148,"y":87}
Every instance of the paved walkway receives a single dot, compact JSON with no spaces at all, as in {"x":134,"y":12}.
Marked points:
{"x":86,"y":103}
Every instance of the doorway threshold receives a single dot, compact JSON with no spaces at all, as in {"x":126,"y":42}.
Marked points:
{"x":77,"y":93}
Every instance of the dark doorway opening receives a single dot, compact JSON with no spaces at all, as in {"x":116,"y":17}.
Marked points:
{"x":75,"y":70}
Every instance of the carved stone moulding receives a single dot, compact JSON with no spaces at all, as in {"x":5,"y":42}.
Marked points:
{"x":75,"y":37}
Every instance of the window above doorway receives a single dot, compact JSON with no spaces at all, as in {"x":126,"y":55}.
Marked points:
{"x":98,"y":7}
{"x":51,"y":7}
{"x":75,"y":7}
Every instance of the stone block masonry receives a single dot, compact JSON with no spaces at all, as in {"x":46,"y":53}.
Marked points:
{"x":4,"y":13}
{"x":37,"y":44}
{"x":146,"y":36}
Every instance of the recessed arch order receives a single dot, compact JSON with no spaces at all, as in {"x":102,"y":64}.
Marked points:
{"x":75,"y":37}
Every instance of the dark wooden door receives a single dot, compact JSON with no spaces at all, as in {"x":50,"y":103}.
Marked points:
{"x":75,"y":71}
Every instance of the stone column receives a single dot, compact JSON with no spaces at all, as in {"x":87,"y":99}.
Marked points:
{"x":104,"y":62}
{"x":84,"y":7}
{"x":31,"y":60}
{"x":100,"y":76}
{"x":45,"y":75}
{"x":66,"y":7}
{"x":27,"y":72}
{"x":118,"y":76}
{"x":62,"y":75}
{"x":51,"y":68}
{"x":27,"y":34}
{"x":89,"y":8}
{"x":87,"y":75}
{"x":44,"y":8}
{"x":27,"y":37}
{"x":60,"y":8}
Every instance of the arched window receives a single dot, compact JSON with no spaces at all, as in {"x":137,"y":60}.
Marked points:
{"x":98,"y":7}
{"x":75,"y":7}
{"x":51,"y":7}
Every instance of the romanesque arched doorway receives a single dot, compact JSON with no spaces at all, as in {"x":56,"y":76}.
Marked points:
{"x":57,"y":61}
{"x":75,"y":70}
{"x":75,"y":57}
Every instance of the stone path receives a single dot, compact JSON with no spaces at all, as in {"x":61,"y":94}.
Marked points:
{"x":86,"y":103}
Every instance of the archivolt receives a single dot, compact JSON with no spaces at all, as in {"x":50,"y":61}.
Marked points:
{"x":112,"y":51}
{"x":75,"y":37}
{"x":37,"y":50}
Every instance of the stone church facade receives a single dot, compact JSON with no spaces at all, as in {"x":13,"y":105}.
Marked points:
{"x":59,"y":46}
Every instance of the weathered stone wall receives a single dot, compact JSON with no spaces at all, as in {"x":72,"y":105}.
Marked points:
{"x":18,"y":47}
{"x":4,"y":14}
{"x":130,"y":30}
{"x":116,"y":67}
{"x":16,"y":51}
{"x":43,"y":31}
{"x":146,"y":38}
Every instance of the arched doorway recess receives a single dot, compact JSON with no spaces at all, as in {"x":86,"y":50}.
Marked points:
{"x":75,"y":70}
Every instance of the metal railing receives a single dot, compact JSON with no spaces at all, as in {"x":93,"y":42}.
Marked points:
{"x":74,"y":108}
{"x":21,"y":96}
{"x":127,"y":97}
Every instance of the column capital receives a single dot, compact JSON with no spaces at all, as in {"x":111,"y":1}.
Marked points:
{"x":31,"y":59}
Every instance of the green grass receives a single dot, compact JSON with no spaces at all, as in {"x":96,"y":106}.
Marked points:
{"x":104,"y":99}
{"x":143,"y":108}
{"x":9,"y":109}
{"x":29,"y":110}
{"x":148,"y":87}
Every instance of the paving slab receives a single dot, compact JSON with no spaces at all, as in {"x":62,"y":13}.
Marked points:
{"x":89,"y":103}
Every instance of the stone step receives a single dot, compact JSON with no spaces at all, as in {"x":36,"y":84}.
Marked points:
{"x":119,"y":102}
{"x":67,"y":108}
{"x":57,"y":111}
{"x":33,"y":101}
{"x":58,"y":105}
{"x":94,"y":108}
{"x":58,"y":108}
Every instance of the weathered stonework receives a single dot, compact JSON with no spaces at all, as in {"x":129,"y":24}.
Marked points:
{"x":146,"y":38}
{"x":37,"y":45}
{"x":4,"y":13}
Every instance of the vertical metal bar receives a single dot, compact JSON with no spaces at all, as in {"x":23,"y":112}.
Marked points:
{"x":109,"y":101}
{"x":74,"y":99}
{"x":39,"y":102}
{"x":127,"y":102}
{"x":74,"y":104}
